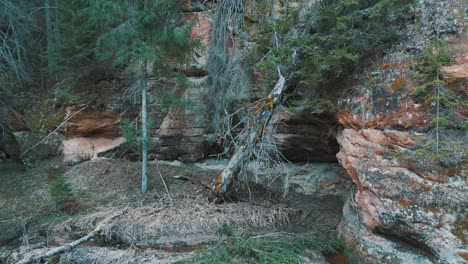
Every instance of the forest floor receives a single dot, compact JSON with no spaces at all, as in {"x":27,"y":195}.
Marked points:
{"x":156,"y":227}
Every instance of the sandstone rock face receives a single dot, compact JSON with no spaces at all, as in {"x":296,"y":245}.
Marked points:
{"x":460,"y":67}
{"x":201,"y":32}
{"x":18,"y":142}
{"x":89,"y":132}
{"x":90,"y":122}
{"x":399,"y":212}
{"x":320,"y":180}
{"x":78,"y":149}
{"x":36,"y":147}
{"x":181,"y":133}
{"x":394,"y":203}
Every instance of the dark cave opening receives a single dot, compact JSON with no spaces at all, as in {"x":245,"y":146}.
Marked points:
{"x":309,"y":137}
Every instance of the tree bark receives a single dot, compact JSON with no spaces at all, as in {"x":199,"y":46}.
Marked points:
{"x":263,"y":110}
{"x":144,"y":132}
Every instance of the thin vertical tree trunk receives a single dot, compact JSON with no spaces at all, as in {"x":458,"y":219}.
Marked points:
{"x":51,"y":62}
{"x":437,"y":116}
{"x":57,"y":35}
{"x":144,"y":132}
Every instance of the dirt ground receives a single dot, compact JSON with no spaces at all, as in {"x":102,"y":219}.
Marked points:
{"x":107,"y":192}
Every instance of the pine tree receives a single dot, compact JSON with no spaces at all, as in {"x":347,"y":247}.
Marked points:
{"x":136,"y":32}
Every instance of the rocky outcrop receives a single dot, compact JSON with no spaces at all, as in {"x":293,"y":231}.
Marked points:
{"x":89,"y":122}
{"x":177,"y":131}
{"x":34,"y":146}
{"x":17,"y":140}
{"x":181,"y":132}
{"x":184,"y":133}
{"x":90,"y":132}
{"x":421,"y":211}
{"x":459,"y":68}
{"x":405,"y":209}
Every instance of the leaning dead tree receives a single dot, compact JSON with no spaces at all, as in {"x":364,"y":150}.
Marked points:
{"x":258,"y":116}
{"x":230,"y":87}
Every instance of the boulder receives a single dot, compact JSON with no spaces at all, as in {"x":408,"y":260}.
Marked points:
{"x":405,"y":209}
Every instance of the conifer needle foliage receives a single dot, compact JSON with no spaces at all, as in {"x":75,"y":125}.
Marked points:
{"x":122,"y":31}
{"x":336,"y":40}
{"x":274,"y":248}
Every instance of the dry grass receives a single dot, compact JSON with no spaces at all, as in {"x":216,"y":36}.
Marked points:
{"x":96,"y":255}
{"x":188,"y":219}
{"x":108,"y":192}
{"x":24,"y":197}
{"x":107,"y":182}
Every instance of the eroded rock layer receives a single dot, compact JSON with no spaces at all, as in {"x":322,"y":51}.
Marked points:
{"x":410,"y":201}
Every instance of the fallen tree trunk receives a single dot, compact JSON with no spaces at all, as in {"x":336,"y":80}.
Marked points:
{"x":260,"y":113}
{"x":62,"y":249}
